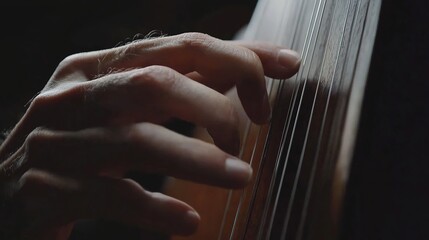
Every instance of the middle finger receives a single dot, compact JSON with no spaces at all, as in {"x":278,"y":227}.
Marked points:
{"x":143,"y":147}
{"x":153,"y":94}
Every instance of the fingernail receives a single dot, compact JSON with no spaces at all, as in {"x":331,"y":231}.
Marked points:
{"x":288,"y":58}
{"x":238,"y":169}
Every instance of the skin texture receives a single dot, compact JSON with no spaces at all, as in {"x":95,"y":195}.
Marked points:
{"x":103,"y":113}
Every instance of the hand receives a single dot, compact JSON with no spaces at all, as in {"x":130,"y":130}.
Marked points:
{"x":103,"y":113}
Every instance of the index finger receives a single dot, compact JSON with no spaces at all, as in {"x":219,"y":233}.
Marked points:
{"x":225,"y":62}
{"x":278,"y":62}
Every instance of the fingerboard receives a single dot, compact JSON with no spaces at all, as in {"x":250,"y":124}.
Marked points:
{"x":302,"y":158}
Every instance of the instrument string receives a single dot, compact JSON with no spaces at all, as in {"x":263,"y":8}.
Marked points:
{"x":277,"y":101}
{"x":251,"y":33}
{"x":325,"y":90}
{"x":259,"y":136}
{"x":314,"y":165}
{"x":297,"y":178}
{"x":305,"y":58}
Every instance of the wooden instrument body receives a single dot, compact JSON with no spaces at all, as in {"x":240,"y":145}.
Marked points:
{"x":302,"y":159}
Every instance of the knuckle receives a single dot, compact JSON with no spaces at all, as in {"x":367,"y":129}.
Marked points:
{"x":195,"y":40}
{"x":253,"y":60}
{"x":70,"y":60}
{"x":35,"y":142}
{"x":68,"y":64}
{"x":29,"y":178}
{"x":31,"y":181}
{"x":230,"y":115}
{"x":37,"y":136}
{"x":128,"y":185}
{"x":229,"y":138}
{"x":61,"y":93}
{"x":59,"y":99}
{"x":251,"y":55}
{"x":153,"y":77}
{"x":39,"y":102}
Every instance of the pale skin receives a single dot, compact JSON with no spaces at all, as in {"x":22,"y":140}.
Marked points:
{"x":103,"y":113}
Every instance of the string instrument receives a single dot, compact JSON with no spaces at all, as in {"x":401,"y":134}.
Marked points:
{"x":312,"y":177}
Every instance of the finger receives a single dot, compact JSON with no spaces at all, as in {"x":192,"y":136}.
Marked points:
{"x":222,"y":61}
{"x":208,"y":81}
{"x":278,"y":62}
{"x":57,"y":201}
{"x":143,"y":147}
{"x":125,"y":201}
{"x":154,"y":94}
{"x":45,"y":205}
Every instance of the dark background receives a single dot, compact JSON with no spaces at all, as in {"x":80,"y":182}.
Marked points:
{"x":388,"y":194}
{"x":35,"y":37}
